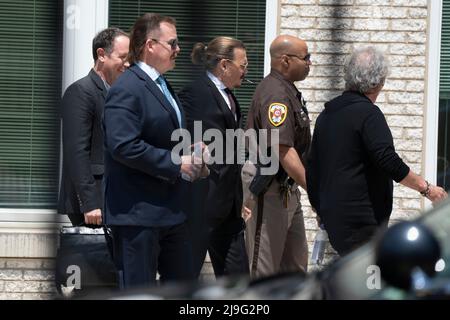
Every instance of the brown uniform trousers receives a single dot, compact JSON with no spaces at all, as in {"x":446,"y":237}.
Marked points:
{"x":276,"y":241}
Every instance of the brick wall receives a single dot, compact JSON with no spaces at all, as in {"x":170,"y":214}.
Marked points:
{"x":331,"y":28}
{"x":27,"y":279}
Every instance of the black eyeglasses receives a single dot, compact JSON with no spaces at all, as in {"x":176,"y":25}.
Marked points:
{"x":307,"y":58}
{"x":172,"y":43}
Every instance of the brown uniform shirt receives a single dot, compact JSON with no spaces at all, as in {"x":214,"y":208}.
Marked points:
{"x":277,"y":104}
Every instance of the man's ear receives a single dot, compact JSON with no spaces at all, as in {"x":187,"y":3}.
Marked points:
{"x":284,"y":61}
{"x":101,"y":54}
{"x":223,"y":64}
{"x":148,"y":45}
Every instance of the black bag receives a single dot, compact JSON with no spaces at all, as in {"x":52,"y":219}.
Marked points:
{"x":83,"y":262}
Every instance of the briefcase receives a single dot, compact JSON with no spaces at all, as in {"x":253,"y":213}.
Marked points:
{"x":84,"y":263}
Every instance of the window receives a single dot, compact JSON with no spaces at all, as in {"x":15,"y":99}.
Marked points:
{"x":30,"y":89}
{"x":443,"y":160}
{"x":200,"y":21}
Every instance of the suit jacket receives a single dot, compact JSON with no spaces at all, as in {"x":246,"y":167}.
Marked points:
{"x":82,"y":109}
{"x":142,"y":184}
{"x":202,"y":101}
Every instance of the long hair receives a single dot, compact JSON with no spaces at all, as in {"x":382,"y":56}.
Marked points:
{"x":217,"y":49}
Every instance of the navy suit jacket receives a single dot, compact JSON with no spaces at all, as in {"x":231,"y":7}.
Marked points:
{"x":142,"y":183}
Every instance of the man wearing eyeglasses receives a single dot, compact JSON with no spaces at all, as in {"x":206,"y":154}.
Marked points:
{"x":144,"y":179}
{"x":275,"y":238}
{"x":214,"y":205}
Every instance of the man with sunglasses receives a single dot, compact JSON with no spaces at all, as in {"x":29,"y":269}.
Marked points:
{"x":276,"y":240}
{"x":145,"y":182}
{"x":214,"y":206}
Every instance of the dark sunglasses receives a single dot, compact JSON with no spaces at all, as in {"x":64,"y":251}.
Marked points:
{"x":172,"y":43}
{"x":306,"y":58}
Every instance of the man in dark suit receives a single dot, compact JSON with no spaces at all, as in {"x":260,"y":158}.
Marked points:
{"x":81,"y":196}
{"x":215,"y":204}
{"x":144,"y":186}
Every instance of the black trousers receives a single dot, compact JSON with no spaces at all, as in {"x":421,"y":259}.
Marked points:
{"x":228,"y":254}
{"x":140,"y":252}
{"x":225,"y":244}
{"x":224,"y":240}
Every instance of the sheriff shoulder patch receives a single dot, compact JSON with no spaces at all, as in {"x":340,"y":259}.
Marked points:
{"x":277,"y":113}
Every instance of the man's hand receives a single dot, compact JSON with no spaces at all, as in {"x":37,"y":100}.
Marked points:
{"x":246,"y":213}
{"x":204,"y":172}
{"x":436,"y":194}
{"x":248,"y":207}
{"x":191,"y":168}
{"x":93,"y":217}
{"x":194,"y":166}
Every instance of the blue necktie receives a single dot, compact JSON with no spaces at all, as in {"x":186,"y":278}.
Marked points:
{"x":162,"y":82}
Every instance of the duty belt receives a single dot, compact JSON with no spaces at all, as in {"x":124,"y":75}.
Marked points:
{"x":286,"y":190}
{"x":290,"y":181}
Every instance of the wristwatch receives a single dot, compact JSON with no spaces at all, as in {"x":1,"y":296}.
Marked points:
{"x":426,"y":192}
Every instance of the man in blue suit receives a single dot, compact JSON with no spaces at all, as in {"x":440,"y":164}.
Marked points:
{"x":144,"y":184}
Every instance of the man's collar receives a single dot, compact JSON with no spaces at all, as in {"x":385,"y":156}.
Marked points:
{"x":276,"y":74}
{"x":218,"y":83}
{"x":106,"y":84}
{"x":149,"y":70}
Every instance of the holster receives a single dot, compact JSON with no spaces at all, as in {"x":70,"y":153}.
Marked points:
{"x":260,"y":183}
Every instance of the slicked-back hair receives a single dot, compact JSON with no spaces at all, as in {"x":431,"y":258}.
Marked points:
{"x":365,"y":69}
{"x":217,"y":49}
{"x":105,"y":40}
{"x":147,"y":23}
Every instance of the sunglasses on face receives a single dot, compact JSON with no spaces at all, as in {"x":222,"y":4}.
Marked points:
{"x":172,"y":43}
{"x":306,"y":58}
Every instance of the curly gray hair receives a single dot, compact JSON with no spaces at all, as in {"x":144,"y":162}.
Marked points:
{"x":365,"y":69}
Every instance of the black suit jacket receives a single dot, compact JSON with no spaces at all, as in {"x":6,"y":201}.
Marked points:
{"x":82,"y":109}
{"x":202,"y":101}
{"x":142,"y":183}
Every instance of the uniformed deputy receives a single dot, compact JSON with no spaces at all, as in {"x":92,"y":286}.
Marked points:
{"x":275,"y":239}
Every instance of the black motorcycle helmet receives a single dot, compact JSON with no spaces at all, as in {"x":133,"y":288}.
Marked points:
{"x":403,"y":247}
